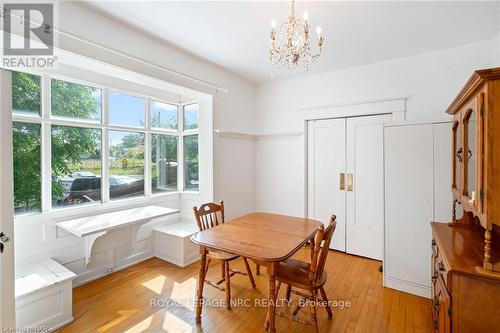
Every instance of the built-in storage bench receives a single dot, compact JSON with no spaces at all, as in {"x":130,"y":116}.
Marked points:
{"x":43,"y":295}
{"x":173,"y":244}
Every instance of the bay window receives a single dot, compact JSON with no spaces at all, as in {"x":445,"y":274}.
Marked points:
{"x":68,"y":136}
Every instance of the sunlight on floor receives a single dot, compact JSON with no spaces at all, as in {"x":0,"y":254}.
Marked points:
{"x":172,"y":323}
{"x":143,"y":326}
{"x":156,"y":284}
{"x":184,"y":292}
{"x":123,"y":315}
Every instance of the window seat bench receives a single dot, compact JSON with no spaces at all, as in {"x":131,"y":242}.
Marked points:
{"x":43,"y":295}
{"x":173,"y":244}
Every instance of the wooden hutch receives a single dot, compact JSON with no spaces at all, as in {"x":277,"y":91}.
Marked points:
{"x":466,"y":252}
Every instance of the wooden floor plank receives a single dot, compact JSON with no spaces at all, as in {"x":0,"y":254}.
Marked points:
{"x":122,"y":301}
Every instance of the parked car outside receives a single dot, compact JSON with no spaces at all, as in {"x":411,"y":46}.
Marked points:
{"x":87,"y":188}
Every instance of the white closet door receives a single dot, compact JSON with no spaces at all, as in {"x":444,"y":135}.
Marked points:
{"x":409,"y":173}
{"x":326,"y":161}
{"x":365,"y":201}
{"x":443,"y":197}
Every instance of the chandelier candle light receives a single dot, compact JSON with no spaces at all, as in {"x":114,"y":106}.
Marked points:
{"x":290,"y":43}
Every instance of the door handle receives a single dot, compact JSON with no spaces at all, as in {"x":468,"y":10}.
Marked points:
{"x":349,"y":181}
{"x":342,"y":181}
{"x":3,"y":239}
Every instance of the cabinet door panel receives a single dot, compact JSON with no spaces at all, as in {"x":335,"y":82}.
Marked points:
{"x":408,"y":202}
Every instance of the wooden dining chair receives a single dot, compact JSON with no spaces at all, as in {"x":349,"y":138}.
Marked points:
{"x":306,"y":279}
{"x":208,"y":216}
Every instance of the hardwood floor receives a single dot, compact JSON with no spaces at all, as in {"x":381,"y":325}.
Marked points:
{"x":124,"y":301}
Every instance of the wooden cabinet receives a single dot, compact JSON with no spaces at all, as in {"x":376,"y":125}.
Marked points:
{"x":476,"y":157}
{"x":464,"y":299}
{"x":466,"y":253}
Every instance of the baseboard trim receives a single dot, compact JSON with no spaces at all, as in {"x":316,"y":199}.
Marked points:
{"x":407,"y":287}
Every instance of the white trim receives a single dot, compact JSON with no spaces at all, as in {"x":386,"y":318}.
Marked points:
{"x":255,"y":136}
{"x":7,"y":294}
{"x":408,"y":287}
{"x":147,"y":151}
{"x":46,"y":145}
{"x":363,"y":108}
{"x":105,"y":148}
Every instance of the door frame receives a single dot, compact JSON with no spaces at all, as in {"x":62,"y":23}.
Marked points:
{"x":7,"y":280}
{"x":393,"y":106}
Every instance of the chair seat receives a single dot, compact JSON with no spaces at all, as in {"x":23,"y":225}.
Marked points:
{"x":220,"y":255}
{"x":296,"y":273}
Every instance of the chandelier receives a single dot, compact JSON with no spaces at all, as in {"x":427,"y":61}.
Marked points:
{"x":290,"y":43}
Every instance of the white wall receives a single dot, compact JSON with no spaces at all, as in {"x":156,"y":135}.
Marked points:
{"x":430,"y":81}
{"x":234,"y":160}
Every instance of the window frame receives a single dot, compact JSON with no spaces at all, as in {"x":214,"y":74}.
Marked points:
{"x":46,"y":120}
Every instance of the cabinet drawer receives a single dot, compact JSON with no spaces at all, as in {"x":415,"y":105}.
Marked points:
{"x":441,"y":311}
{"x":439,"y":268}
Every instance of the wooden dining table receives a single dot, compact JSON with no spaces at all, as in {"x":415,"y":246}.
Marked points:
{"x":265,"y":238}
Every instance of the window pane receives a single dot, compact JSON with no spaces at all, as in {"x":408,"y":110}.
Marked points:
{"x":76,"y":166}
{"x":74,"y":100}
{"x":126,"y":110}
{"x":163,"y":115}
{"x":25,"y":93}
{"x":27,"y":167}
{"x":164,"y":163}
{"x":191,"y":163}
{"x":191,"y":116}
{"x":126,"y":165}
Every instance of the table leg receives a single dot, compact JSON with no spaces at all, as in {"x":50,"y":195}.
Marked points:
{"x":201,"y":283}
{"x":271,"y":308}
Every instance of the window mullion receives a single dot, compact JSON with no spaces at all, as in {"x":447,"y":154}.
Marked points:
{"x":180,"y":149}
{"x":147,"y":150}
{"x":105,"y":148}
{"x":46,"y":146}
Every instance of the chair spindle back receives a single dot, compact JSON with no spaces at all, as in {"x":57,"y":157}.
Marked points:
{"x":209,"y":215}
{"x":320,"y":253}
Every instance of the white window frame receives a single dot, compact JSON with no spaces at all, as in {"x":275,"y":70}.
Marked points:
{"x":46,"y":120}
{"x":183,"y":133}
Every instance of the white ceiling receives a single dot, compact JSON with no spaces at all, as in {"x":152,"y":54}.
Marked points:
{"x":235,"y":35}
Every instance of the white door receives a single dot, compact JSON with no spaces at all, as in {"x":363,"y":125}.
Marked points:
{"x":326,"y":162}
{"x":408,"y":204}
{"x":7,"y":306}
{"x":365,"y":188}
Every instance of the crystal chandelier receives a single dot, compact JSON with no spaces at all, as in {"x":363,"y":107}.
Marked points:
{"x":290,"y":43}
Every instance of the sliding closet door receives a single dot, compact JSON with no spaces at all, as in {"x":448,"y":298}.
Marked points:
{"x":326,"y":163}
{"x":365,"y":186}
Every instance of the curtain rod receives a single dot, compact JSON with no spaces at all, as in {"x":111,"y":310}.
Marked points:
{"x":128,"y":56}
